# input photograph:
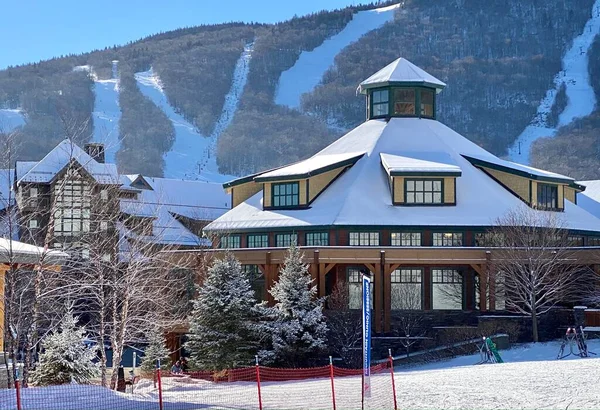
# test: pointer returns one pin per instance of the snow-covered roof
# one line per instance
(166, 198)
(311, 166)
(590, 198)
(420, 164)
(519, 169)
(400, 71)
(361, 195)
(45, 170)
(18, 252)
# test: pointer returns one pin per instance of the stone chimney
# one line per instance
(95, 150)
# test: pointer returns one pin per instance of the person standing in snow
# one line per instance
(176, 368)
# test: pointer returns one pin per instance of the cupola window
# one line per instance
(381, 106)
(404, 101)
(427, 103)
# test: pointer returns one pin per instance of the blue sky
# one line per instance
(33, 30)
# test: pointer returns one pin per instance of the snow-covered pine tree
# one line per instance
(66, 357)
(156, 350)
(221, 325)
(298, 331)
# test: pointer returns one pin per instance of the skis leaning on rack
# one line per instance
(575, 341)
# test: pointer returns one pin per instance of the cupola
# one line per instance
(401, 89)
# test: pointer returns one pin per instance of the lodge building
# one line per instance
(401, 196)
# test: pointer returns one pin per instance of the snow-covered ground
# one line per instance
(193, 154)
(10, 119)
(308, 70)
(580, 93)
(530, 378)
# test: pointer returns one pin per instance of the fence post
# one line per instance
(160, 399)
(18, 390)
(258, 383)
(391, 359)
(332, 385)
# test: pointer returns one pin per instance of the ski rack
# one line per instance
(574, 337)
(488, 352)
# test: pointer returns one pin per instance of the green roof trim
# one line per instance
(248, 178)
(497, 167)
(425, 174)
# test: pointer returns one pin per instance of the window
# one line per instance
(406, 288)
(72, 214)
(33, 223)
(427, 103)
(381, 101)
(258, 241)
(33, 192)
(489, 239)
(355, 289)
(404, 101)
(85, 253)
(106, 257)
(547, 196)
(406, 238)
(257, 281)
(447, 239)
(364, 238)
(423, 191)
(317, 239)
(286, 195)
(575, 240)
(104, 194)
(447, 289)
(231, 241)
(593, 241)
(285, 240)
(103, 225)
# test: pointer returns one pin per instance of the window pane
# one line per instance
(410, 185)
(419, 185)
(410, 197)
(428, 185)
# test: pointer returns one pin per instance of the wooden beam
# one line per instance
(329, 267)
(370, 266)
(478, 268)
(389, 268)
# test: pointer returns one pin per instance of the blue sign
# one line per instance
(366, 310)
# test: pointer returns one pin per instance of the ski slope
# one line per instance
(107, 113)
(580, 93)
(308, 70)
(193, 154)
(10, 119)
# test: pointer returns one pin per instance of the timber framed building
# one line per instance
(402, 196)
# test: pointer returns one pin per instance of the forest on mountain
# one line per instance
(498, 58)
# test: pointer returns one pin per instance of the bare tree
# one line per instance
(406, 302)
(535, 263)
(345, 326)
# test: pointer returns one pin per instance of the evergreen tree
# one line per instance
(66, 358)
(298, 330)
(156, 350)
(221, 324)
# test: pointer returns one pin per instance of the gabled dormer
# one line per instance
(421, 179)
(401, 89)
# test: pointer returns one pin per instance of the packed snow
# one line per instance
(308, 70)
(531, 377)
(107, 111)
(193, 154)
(580, 93)
(10, 119)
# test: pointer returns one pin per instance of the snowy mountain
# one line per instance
(239, 98)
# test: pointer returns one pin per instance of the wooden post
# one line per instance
(427, 288)
(321, 280)
(469, 289)
(377, 293)
(492, 281)
(269, 278)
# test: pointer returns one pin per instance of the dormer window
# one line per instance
(424, 191)
(381, 100)
(286, 195)
(547, 196)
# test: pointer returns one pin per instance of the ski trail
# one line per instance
(107, 112)
(193, 154)
(308, 70)
(580, 93)
(11, 119)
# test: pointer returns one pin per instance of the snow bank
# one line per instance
(193, 154)
(580, 93)
(308, 70)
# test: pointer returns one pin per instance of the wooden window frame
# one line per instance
(550, 194)
(251, 237)
(370, 233)
(284, 240)
(423, 191)
(295, 185)
(453, 237)
(401, 239)
(309, 238)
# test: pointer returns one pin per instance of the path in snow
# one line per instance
(10, 119)
(580, 93)
(193, 154)
(308, 70)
